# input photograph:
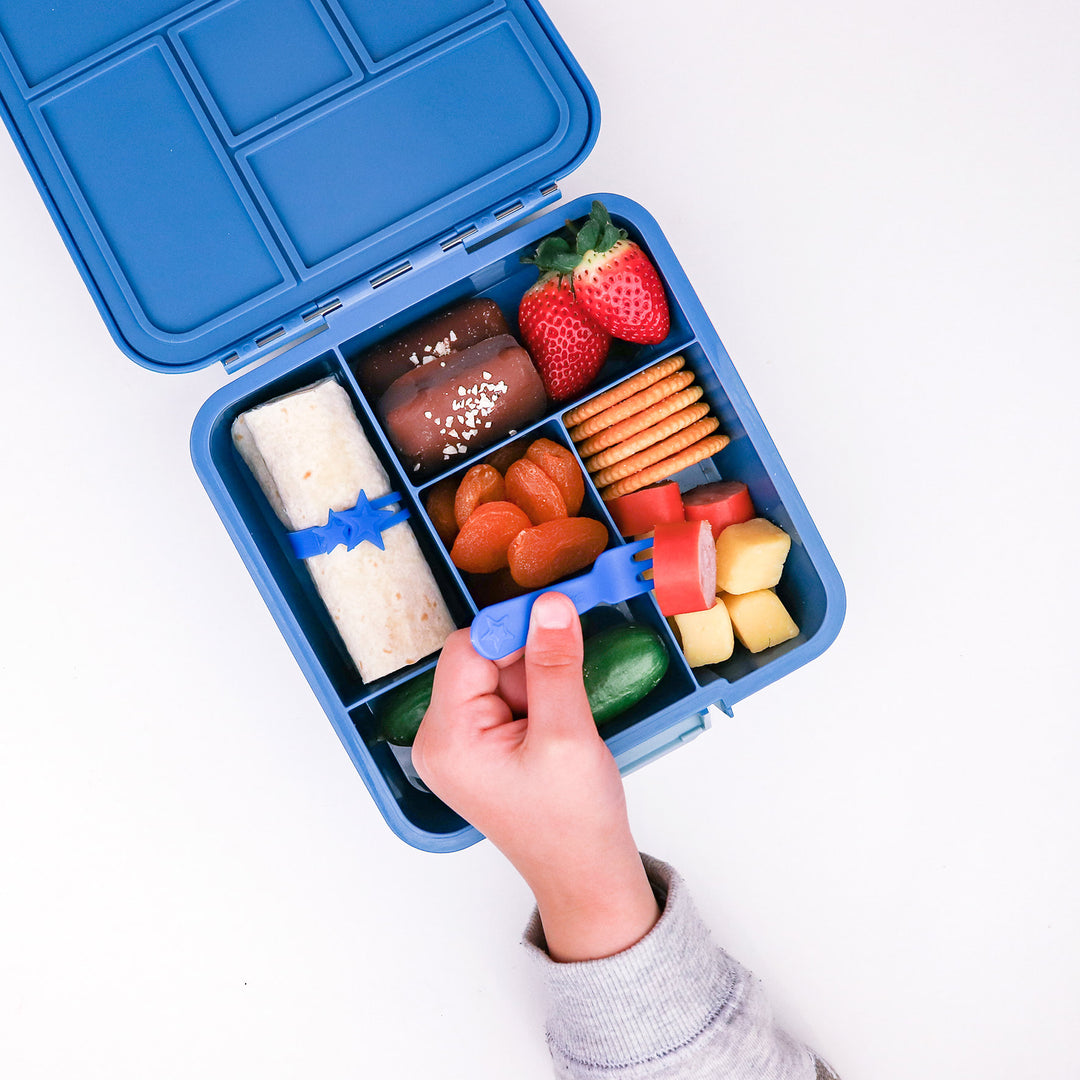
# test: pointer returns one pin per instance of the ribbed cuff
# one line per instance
(648, 1000)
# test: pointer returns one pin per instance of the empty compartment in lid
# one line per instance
(146, 179)
(337, 180)
(387, 32)
(260, 59)
(46, 40)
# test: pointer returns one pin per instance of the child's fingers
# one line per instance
(464, 704)
(510, 659)
(463, 679)
(512, 686)
(553, 657)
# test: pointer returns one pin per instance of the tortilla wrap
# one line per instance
(310, 456)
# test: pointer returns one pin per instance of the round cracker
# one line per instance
(643, 399)
(623, 390)
(673, 445)
(615, 434)
(667, 427)
(708, 446)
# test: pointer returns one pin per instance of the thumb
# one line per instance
(553, 679)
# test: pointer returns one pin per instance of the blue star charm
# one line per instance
(365, 522)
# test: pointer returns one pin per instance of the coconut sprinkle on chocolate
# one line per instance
(470, 409)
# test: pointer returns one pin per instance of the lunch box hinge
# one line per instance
(468, 236)
(507, 215)
(276, 339)
(364, 287)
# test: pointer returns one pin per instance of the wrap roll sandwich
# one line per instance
(310, 456)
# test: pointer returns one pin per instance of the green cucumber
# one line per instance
(622, 665)
(400, 711)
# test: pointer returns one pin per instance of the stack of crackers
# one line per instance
(644, 430)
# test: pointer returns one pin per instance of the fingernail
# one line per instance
(551, 614)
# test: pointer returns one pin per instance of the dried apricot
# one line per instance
(534, 491)
(481, 546)
(561, 465)
(547, 552)
(505, 456)
(488, 589)
(439, 504)
(481, 484)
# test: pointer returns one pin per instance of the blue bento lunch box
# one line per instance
(280, 184)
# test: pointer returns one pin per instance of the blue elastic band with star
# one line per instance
(366, 521)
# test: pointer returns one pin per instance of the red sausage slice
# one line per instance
(684, 567)
(643, 510)
(724, 503)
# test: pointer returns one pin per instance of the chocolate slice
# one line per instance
(434, 338)
(437, 414)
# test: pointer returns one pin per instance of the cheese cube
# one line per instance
(750, 556)
(706, 636)
(759, 618)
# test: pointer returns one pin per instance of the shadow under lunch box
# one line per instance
(288, 182)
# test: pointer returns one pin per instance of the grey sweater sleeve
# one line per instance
(673, 1005)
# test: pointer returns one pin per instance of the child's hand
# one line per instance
(543, 787)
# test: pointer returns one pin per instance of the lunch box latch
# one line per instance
(670, 738)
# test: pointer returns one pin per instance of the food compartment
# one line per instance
(419, 816)
(500, 283)
(672, 694)
(655, 423)
(259, 60)
(750, 458)
(539, 476)
(302, 613)
(745, 458)
(633, 698)
(624, 358)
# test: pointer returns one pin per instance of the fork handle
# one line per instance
(502, 628)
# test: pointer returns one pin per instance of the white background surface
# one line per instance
(877, 204)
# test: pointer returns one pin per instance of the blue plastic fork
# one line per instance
(616, 575)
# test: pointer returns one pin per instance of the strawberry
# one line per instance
(567, 347)
(620, 289)
(612, 278)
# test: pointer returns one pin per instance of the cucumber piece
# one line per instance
(622, 665)
(400, 711)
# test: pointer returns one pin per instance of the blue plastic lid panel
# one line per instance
(215, 167)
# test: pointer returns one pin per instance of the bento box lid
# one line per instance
(221, 171)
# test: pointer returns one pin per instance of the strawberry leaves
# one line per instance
(554, 253)
(595, 284)
(598, 233)
(610, 277)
